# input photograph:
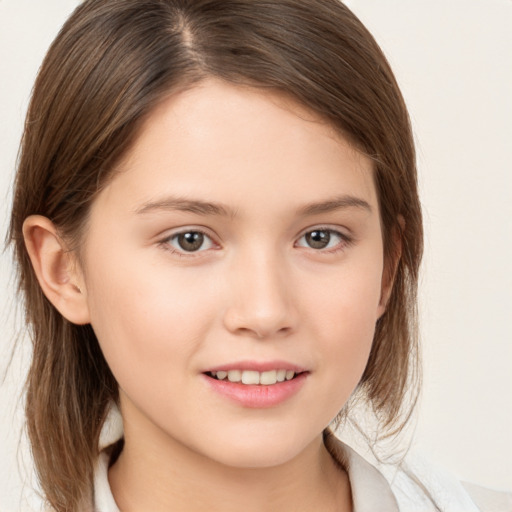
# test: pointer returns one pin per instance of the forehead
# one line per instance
(231, 142)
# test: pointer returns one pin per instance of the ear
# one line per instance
(391, 265)
(56, 269)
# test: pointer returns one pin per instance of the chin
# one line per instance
(257, 452)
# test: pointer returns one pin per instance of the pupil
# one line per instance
(191, 241)
(318, 239)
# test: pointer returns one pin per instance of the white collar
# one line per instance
(372, 490)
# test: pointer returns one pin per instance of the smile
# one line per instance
(251, 388)
(252, 377)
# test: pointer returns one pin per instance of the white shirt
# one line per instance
(373, 490)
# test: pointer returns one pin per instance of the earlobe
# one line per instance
(56, 269)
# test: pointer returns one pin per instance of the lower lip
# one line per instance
(257, 396)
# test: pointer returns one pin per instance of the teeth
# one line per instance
(281, 375)
(251, 377)
(234, 375)
(268, 378)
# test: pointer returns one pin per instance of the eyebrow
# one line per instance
(336, 203)
(187, 205)
(216, 209)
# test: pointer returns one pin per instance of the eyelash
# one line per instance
(165, 243)
(345, 241)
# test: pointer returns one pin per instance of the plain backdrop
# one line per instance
(453, 60)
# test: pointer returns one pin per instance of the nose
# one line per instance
(261, 301)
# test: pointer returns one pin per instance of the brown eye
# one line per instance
(318, 239)
(191, 241)
(323, 238)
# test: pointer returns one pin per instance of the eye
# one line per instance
(189, 241)
(322, 238)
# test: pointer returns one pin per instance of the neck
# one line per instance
(156, 474)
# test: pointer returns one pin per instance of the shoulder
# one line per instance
(417, 479)
(489, 500)
(415, 485)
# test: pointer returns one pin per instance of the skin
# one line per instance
(255, 290)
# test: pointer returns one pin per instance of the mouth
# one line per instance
(254, 389)
(253, 377)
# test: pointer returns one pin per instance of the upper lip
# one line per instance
(258, 366)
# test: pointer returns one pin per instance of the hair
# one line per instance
(111, 64)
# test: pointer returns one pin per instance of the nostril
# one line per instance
(262, 308)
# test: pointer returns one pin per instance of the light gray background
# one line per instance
(453, 59)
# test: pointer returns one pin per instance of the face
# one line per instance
(239, 240)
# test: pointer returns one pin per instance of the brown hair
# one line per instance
(110, 65)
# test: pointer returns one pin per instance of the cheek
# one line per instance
(145, 316)
(346, 310)
(348, 299)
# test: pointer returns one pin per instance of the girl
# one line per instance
(218, 235)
